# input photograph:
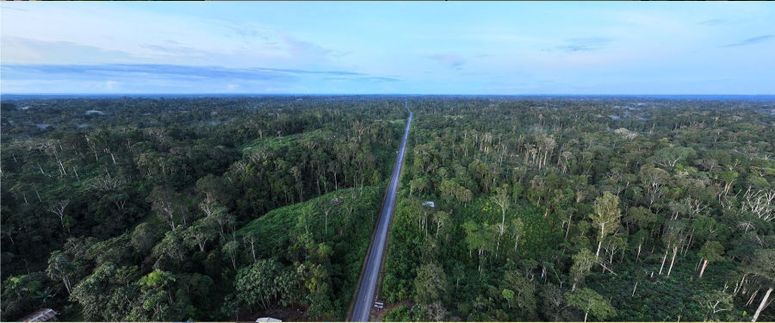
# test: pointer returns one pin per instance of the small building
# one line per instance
(429, 204)
(268, 319)
(41, 315)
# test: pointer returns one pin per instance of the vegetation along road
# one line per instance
(367, 285)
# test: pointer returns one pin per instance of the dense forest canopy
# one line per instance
(231, 208)
(141, 209)
(587, 209)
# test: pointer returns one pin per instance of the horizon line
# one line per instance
(365, 94)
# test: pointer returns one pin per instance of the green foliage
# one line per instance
(590, 302)
(265, 284)
(23, 294)
(430, 285)
(522, 294)
(329, 261)
(152, 210)
(116, 295)
(655, 188)
(582, 264)
(712, 251)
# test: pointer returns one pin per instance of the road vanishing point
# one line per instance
(367, 285)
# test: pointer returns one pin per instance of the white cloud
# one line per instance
(107, 34)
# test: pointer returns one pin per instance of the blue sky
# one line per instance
(392, 47)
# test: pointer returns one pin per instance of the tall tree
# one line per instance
(503, 200)
(761, 267)
(711, 251)
(61, 267)
(582, 263)
(431, 284)
(589, 301)
(606, 216)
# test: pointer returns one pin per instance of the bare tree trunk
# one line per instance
(704, 265)
(753, 296)
(637, 256)
(634, 289)
(253, 249)
(663, 261)
(600, 243)
(672, 260)
(66, 281)
(762, 305)
(739, 285)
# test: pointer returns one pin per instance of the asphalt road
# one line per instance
(367, 286)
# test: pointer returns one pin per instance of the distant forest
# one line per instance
(510, 208)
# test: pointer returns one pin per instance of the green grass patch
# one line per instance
(350, 221)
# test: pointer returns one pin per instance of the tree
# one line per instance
(616, 243)
(60, 267)
(508, 295)
(520, 293)
(418, 184)
(582, 263)
(764, 272)
(58, 208)
(589, 301)
(503, 200)
(171, 247)
(728, 178)
(605, 216)
(231, 250)
(760, 203)
(435, 312)
(317, 282)
(164, 202)
(518, 226)
(18, 294)
(451, 190)
(441, 219)
(673, 237)
(477, 238)
(144, 237)
(670, 156)
(552, 304)
(160, 299)
(654, 180)
(715, 304)
(107, 294)
(258, 285)
(214, 188)
(430, 285)
(200, 233)
(711, 251)
(217, 213)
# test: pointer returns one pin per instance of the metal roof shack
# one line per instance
(41, 315)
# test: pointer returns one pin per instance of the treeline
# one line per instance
(585, 209)
(131, 208)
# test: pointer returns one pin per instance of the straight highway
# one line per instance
(367, 285)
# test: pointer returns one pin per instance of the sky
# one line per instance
(509, 48)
